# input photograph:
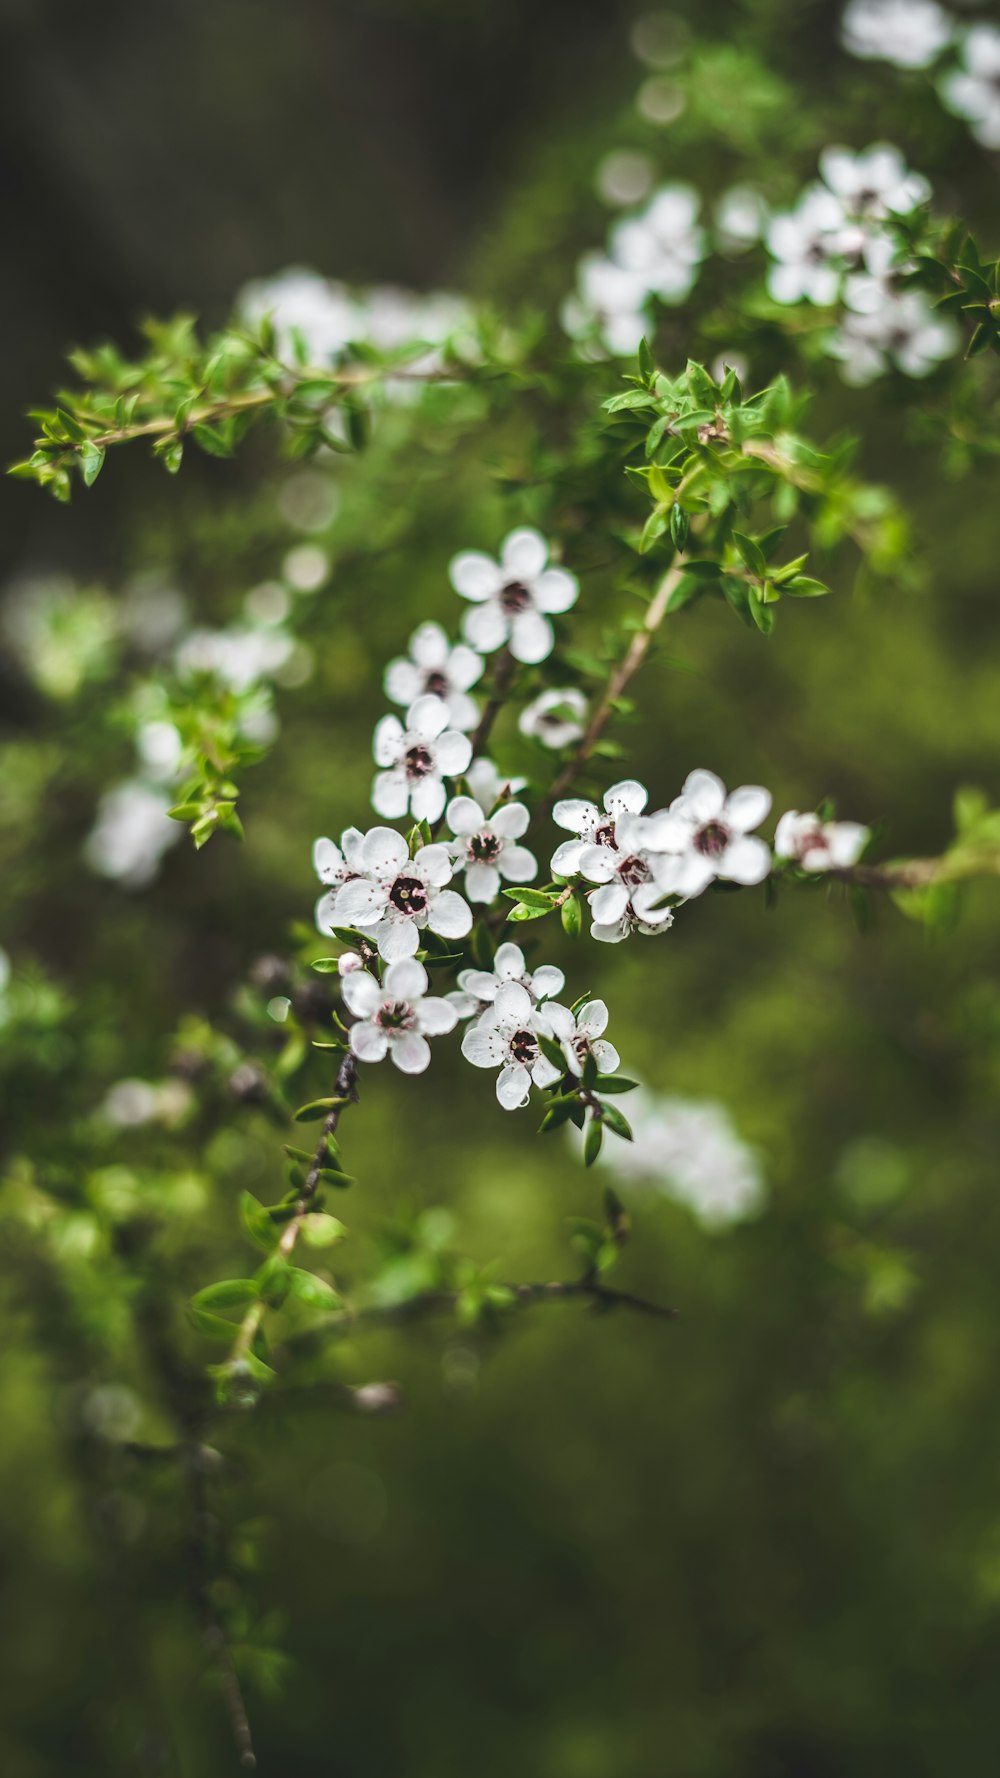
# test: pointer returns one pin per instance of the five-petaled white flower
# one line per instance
(555, 718)
(485, 846)
(608, 300)
(664, 244)
(817, 845)
(593, 826)
(396, 1016)
(581, 1035)
(873, 183)
(973, 90)
(478, 988)
(398, 895)
(436, 665)
(807, 245)
(514, 597)
(903, 330)
(417, 757)
(336, 865)
(506, 1037)
(623, 867)
(908, 33)
(705, 834)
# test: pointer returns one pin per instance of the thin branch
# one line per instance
(346, 1093)
(920, 873)
(503, 674)
(213, 1634)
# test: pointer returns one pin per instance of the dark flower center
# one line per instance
(418, 761)
(515, 597)
(524, 1048)
(395, 1015)
(712, 839)
(437, 683)
(634, 871)
(409, 895)
(604, 835)
(485, 847)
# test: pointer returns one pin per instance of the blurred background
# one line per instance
(762, 1541)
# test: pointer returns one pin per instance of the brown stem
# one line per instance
(213, 1634)
(346, 1092)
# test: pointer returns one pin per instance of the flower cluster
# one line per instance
(655, 253)
(315, 319)
(512, 1015)
(972, 90)
(378, 889)
(689, 1150)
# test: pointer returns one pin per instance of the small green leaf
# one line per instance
(313, 1291)
(592, 1141)
(531, 898)
(229, 1293)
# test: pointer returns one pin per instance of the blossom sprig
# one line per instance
(416, 756)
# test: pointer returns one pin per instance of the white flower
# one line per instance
(818, 845)
(555, 718)
(398, 895)
(581, 1035)
(440, 667)
(609, 301)
(908, 33)
(873, 183)
(349, 962)
(418, 758)
(485, 848)
(319, 310)
(740, 215)
(593, 826)
(336, 865)
(131, 833)
(663, 244)
(973, 90)
(506, 1037)
(239, 657)
(689, 1149)
(395, 1016)
(478, 988)
(623, 866)
(514, 597)
(808, 244)
(659, 921)
(705, 834)
(904, 331)
(488, 784)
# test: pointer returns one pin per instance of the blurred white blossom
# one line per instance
(908, 33)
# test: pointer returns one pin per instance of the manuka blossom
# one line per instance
(903, 330)
(873, 183)
(478, 988)
(608, 300)
(486, 848)
(514, 598)
(622, 866)
(581, 1035)
(336, 865)
(817, 845)
(706, 834)
(555, 718)
(506, 1038)
(397, 896)
(972, 90)
(664, 244)
(396, 1016)
(417, 758)
(591, 825)
(435, 665)
(908, 33)
(690, 1151)
(131, 833)
(807, 245)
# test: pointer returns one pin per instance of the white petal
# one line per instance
(390, 794)
(599, 864)
(328, 861)
(523, 554)
(592, 1019)
(509, 961)
(427, 800)
(510, 821)
(847, 840)
(513, 1087)
(397, 938)
(608, 904)
(359, 903)
(557, 1020)
(517, 864)
(369, 1042)
(479, 983)
(565, 860)
(747, 807)
(608, 935)
(450, 916)
(482, 883)
(474, 576)
(383, 851)
(546, 981)
(704, 795)
(465, 1005)
(403, 682)
(628, 797)
(436, 1016)
(513, 1005)
(465, 667)
(531, 637)
(433, 865)
(486, 627)
(786, 834)
(606, 1056)
(429, 645)
(387, 742)
(746, 860)
(351, 842)
(323, 913)
(453, 753)
(575, 815)
(410, 1052)
(361, 993)
(406, 980)
(544, 1074)
(483, 1046)
(556, 590)
(427, 717)
(465, 816)
(463, 711)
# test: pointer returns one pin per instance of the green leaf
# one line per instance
(552, 1053)
(801, 587)
(616, 1122)
(751, 554)
(592, 1141)
(91, 462)
(531, 898)
(317, 1108)
(526, 913)
(313, 1291)
(229, 1293)
(571, 915)
(615, 1083)
(257, 1222)
(646, 366)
